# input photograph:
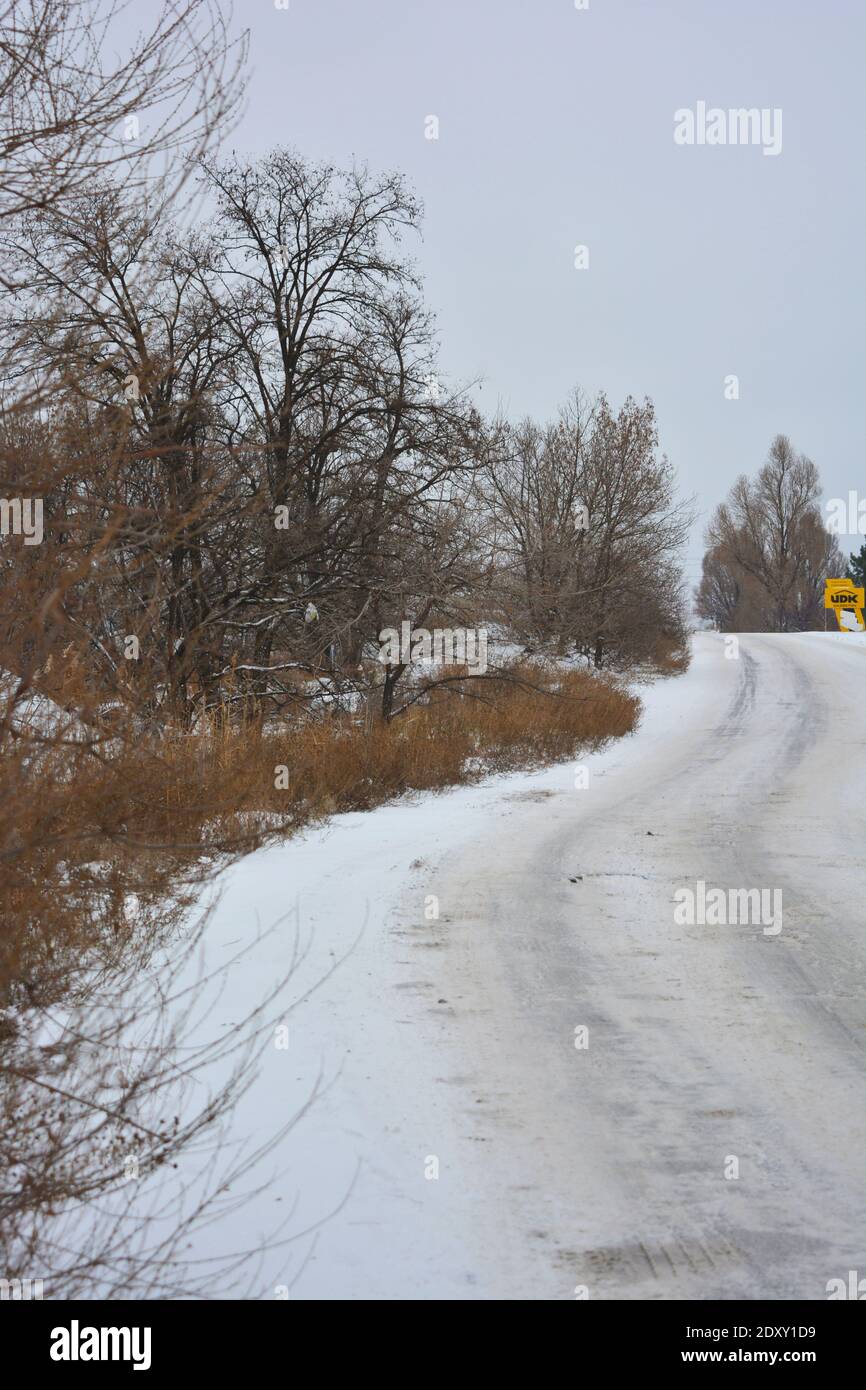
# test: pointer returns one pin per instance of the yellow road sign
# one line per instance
(844, 597)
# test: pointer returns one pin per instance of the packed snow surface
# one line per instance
(708, 1139)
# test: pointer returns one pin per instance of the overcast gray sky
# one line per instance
(556, 129)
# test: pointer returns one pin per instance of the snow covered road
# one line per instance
(709, 1140)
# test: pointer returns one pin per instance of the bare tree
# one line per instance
(71, 114)
(362, 450)
(585, 515)
(769, 551)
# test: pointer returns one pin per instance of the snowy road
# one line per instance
(710, 1141)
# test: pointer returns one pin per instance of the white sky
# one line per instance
(556, 128)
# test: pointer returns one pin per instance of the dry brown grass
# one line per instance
(460, 732)
(670, 657)
(113, 837)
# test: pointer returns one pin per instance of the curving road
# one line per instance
(710, 1140)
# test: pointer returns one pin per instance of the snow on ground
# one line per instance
(446, 1046)
(372, 1036)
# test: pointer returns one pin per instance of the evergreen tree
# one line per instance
(857, 567)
